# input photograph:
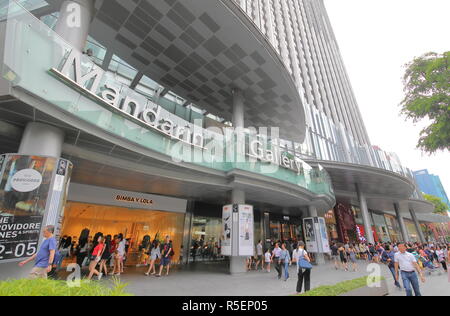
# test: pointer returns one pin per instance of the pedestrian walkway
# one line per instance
(212, 279)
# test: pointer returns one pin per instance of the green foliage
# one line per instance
(439, 206)
(427, 88)
(42, 287)
(342, 287)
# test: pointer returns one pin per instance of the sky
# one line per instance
(376, 39)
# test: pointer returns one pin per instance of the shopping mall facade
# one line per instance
(155, 118)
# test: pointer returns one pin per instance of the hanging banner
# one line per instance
(246, 244)
(310, 235)
(227, 226)
(324, 236)
(28, 201)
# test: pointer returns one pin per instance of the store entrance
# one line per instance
(135, 225)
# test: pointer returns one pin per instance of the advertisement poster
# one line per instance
(310, 235)
(324, 235)
(24, 189)
(246, 245)
(227, 224)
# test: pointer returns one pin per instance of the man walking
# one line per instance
(45, 257)
(259, 255)
(406, 264)
(276, 255)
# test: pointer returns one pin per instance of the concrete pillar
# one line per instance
(40, 139)
(365, 215)
(401, 223)
(237, 263)
(238, 108)
(74, 20)
(312, 210)
(417, 224)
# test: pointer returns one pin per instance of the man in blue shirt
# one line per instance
(45, 257)
(388, 257)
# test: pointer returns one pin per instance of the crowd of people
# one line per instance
(106, 255)
(407, 261)
(281, 255)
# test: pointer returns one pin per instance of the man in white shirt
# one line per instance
(406, 264)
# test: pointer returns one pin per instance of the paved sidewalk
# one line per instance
(212, 280)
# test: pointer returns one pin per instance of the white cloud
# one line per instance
(376, 39)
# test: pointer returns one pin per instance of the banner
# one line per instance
(310, 235)
(227, 230)
(324, 236)
(29, 194)
(246, 244)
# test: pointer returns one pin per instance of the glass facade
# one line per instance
(412, 231)
(381, 227)
(206, 234)
(332, 229)
(393, 228)
(135, 225)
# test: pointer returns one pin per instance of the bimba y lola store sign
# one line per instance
(92, 83)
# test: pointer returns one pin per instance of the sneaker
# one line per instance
(147, 274)
(100, 276)
(158, 275)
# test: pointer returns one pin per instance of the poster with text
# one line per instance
(24, 189)
(310, 235)
(324, 236)
(227, 224)
(246, 245)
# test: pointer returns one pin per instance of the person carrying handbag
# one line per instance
(304, 268)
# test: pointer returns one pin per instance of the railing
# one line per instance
(34, 55)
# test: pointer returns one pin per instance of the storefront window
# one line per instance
(205, 239)
(331, 223)
(136, 226)
(393, 228)
(412, 231)
(358, 216)
(275, 230)
(381, 227)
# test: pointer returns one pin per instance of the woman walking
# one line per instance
(343, 256)
(105, 256)
(96, 257)
(353, 260)
(285, 259)
(155, 253)
(64, 250)
(304, 269)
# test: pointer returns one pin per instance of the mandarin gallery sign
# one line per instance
(92, 83)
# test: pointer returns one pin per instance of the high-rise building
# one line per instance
(214, 122)
(431, 184)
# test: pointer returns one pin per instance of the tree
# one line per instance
(439, 206)
(427, 88)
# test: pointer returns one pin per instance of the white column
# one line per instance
(401, 223)
(417, 224)
(238, 108)
(237, 263)
(365, 215)
(74, 20)
(40, 139)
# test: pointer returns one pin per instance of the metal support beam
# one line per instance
(107, 59)
(136, 80)
(365, 215)
(401, 223)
